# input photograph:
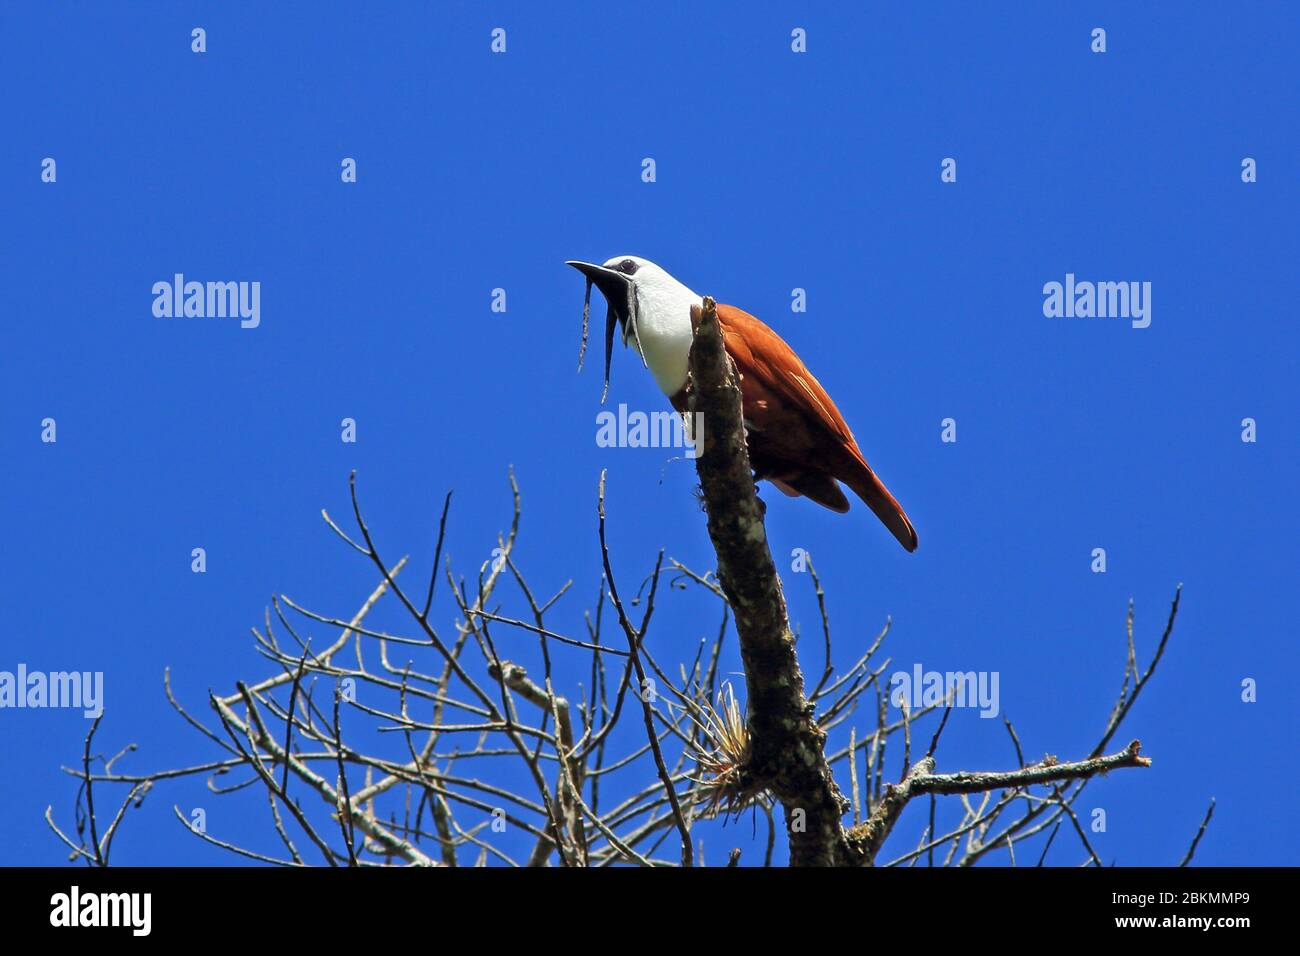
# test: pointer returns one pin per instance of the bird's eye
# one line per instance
(627, 267)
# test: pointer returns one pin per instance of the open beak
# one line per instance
(619, 291)
(614, 286)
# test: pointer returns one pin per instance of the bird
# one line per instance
(796, 436)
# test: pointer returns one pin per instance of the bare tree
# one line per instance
(453, 724)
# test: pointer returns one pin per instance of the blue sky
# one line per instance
(774, 171)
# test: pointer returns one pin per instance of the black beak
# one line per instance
(619, 291)
(614, 286)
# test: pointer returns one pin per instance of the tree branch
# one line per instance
(921, 779)
(788, 746)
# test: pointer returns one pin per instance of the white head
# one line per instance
(654, 310)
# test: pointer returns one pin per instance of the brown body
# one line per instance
(797, 438)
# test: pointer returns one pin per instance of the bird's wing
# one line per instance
(764, 354)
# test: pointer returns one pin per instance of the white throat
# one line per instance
(664, 327)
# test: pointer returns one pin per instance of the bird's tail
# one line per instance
(872, 490)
